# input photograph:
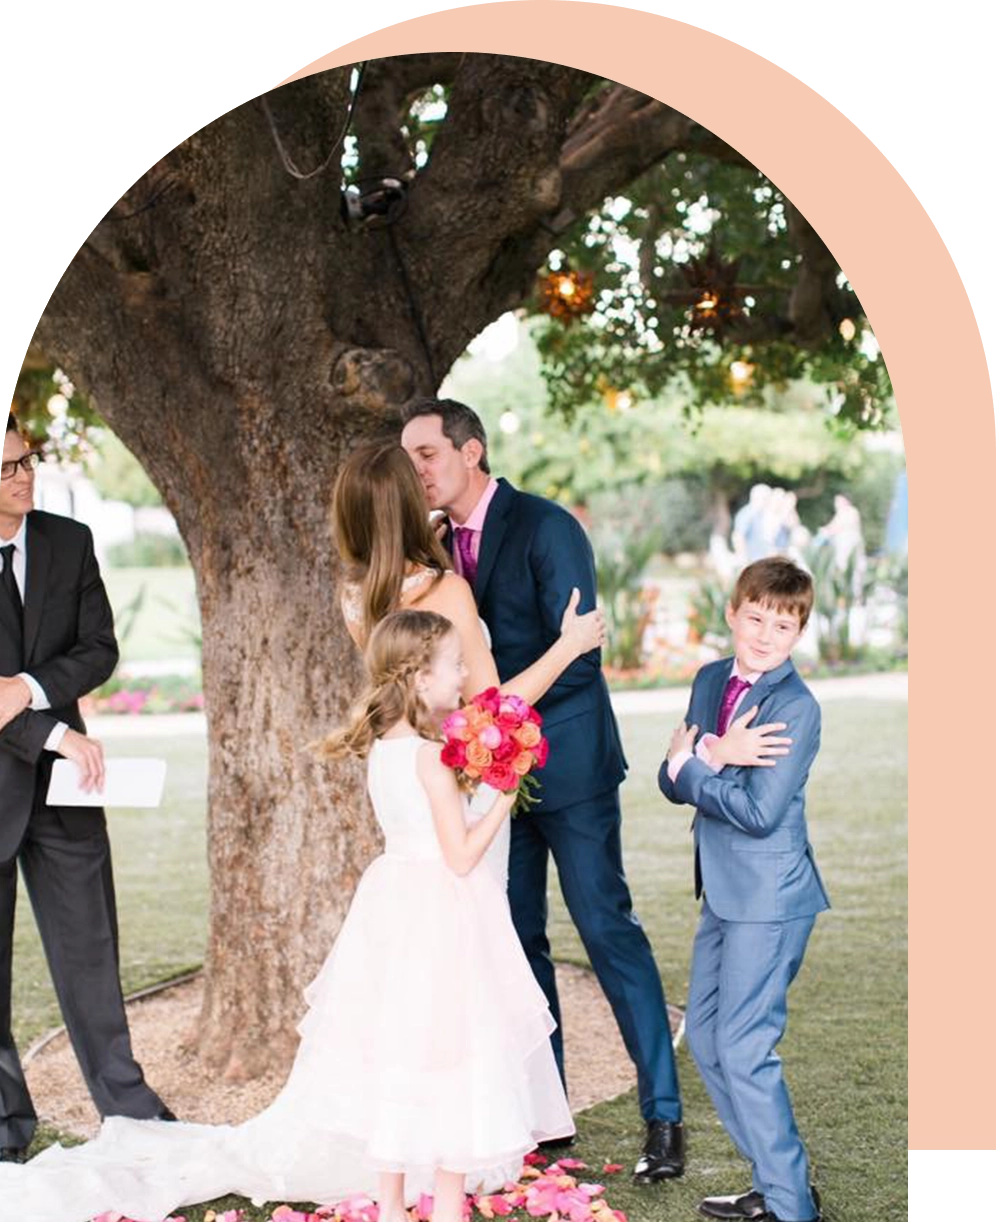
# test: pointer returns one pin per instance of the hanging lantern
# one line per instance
(567, 294)
(713, 297)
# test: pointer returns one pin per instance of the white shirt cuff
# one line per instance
(54, 740)
(703, 749)
(39, 701)
(676, 763)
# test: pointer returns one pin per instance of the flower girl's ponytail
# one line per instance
(401, 646)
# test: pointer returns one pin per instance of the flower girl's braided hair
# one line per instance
(401, 646)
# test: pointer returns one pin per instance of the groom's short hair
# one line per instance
(11, 424)
(460, 423)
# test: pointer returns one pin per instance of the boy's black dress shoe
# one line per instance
(12, 1154)
(748, 1205)
(663, 1156)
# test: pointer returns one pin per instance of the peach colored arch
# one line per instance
(918, 307)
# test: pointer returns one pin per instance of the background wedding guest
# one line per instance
(749, 542)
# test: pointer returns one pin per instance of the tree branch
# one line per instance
(381, 109)
(617, 136)
(816, 304)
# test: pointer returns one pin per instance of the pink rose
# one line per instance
(489, 700)
(501, 776)
(490, 737)
(454, 754)
(508, 750)
(454, 724)
(541, 751)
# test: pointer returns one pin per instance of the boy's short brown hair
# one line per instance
(776, 582)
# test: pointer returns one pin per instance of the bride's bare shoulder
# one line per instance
(448, 596)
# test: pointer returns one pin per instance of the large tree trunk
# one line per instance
(229, 351)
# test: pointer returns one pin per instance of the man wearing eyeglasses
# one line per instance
(56, 644)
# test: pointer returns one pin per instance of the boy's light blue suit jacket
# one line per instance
(752, 852)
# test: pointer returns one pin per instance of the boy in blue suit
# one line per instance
(522, 556)
(754, 867)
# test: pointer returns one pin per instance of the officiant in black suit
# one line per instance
(56, 644)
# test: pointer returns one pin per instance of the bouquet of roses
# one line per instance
(496, 739)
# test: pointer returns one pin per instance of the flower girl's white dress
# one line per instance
(426, 1043)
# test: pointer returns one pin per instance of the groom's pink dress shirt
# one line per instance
(475, 523)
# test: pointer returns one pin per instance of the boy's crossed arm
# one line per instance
(756, 802)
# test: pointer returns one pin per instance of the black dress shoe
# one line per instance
(663, 1156)
(13, 1154)
(770, 1217)
(748, 1205)
(552, 1144)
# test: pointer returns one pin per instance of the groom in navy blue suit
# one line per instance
(523, 555)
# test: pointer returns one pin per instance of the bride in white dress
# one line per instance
(394, 559)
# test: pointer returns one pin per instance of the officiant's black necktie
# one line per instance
(10, 593)
(9, 582)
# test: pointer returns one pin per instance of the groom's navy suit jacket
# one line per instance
(533, 552)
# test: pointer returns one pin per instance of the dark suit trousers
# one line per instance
(71, 888)
(585, 842)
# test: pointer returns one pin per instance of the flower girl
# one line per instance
(447, 1059)
(424, 1062)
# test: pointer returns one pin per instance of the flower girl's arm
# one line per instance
(463, 846)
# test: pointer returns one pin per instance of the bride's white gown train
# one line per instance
(426, 1043)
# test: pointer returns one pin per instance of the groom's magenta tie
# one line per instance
(468, 561)
(734, 686)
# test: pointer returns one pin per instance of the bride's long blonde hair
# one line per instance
(380, 523)
(401, 646)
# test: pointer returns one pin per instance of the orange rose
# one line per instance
(527, 735)
(522, 763)
(477, 756)
(477, 719)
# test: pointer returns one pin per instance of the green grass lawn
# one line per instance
(845, 1050)
(160, 871)
(165, 624)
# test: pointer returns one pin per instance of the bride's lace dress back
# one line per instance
(352, 593)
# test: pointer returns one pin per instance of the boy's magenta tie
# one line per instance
(463, 538)
(734, 686)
